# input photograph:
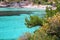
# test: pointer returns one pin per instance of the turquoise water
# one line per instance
(12, 27)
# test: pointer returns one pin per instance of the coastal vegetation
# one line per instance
(49, 25)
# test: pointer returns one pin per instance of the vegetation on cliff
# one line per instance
(49, 25)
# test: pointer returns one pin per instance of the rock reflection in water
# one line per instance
(11, 13)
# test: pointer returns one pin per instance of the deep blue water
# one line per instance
(12, 27)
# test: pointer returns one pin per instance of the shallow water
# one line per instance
(12, 27)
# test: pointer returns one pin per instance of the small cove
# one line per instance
(12, 27)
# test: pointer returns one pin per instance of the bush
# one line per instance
(54, 23)
(50, 12)
(50, 30)
(34, 21)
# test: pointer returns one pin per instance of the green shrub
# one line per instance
(34, 21)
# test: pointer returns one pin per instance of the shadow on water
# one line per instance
(12, 13)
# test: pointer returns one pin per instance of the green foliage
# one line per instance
(44, 37)
(50, 12)
(34, 21)
(41, 34)
(45, 0)
(58, 8)
(50, 25)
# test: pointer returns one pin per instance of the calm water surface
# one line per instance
(12, 27)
